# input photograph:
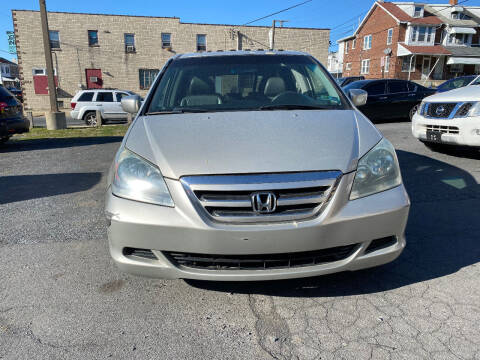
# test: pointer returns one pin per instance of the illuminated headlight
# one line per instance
(137, 179)
(377, 171)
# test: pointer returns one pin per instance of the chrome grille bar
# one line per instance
(228, 198)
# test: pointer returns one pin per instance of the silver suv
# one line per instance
(86, 102)
(252, 166)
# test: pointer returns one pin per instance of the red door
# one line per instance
(94, 78)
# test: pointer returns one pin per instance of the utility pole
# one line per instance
(54, 118)
(272, 39)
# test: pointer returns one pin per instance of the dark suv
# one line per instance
(11, 116)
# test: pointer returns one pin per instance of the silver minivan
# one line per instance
(252, 165)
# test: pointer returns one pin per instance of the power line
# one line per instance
(278, 12)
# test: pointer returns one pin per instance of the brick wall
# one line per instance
(121, 70)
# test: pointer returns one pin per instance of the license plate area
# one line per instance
(434, 136)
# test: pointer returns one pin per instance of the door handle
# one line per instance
(382, 98)
(98, 105)
(412, 94)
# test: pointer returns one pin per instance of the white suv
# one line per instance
(451, 117)
(85, 103)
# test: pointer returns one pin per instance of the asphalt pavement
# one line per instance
(61, 296)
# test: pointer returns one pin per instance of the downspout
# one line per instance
(410, 66)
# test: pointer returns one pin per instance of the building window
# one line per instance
(166, 40)
(92, 38)
(346, 47)
(406, 63)
(354, 43)
(459, 39)
(365, 69)
(42, 71)
(456, 68)
(418, 11)
(54, 39)
(389, 36)
(146, 77)
(386, 66)
(348, 66)
(367, 42)
(129, 43)
(422, 34)
(201, 42)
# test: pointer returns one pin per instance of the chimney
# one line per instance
(453, 2)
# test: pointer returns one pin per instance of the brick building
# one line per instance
(416, 41)
(126, 52)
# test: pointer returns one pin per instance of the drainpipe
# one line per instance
(410, 67)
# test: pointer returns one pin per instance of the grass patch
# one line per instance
(42, 133)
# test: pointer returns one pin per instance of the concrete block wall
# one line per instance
(121, 70)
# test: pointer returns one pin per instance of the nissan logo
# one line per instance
(440, 110)
(264, 202)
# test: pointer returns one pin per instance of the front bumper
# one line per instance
(181, 229)
(457, 131)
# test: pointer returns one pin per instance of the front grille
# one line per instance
(231, 198)
(443, 129)
(440, 110)
(260, 262)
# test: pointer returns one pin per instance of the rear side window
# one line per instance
(86, 96)
(397, 87)
(377, 88)
(105, 97)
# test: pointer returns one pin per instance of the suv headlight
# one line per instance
(377, 171)
(469, 109)
(137, 179)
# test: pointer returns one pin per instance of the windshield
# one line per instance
(244, 82)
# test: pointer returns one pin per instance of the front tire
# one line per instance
(90, 118)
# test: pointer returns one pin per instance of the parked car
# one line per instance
(12, 120)
(390, 98)
(244, 166)
(17, 92)
(449, 118)
(344, 81)
(85, 103)
(456, 83)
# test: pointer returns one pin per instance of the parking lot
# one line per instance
(62, 298)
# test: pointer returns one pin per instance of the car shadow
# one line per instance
(442, 238)
(27, 187)
(56, 143)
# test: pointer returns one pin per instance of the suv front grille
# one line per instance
(443, 129)
(260, 262)
(232, 198)
(440, 110)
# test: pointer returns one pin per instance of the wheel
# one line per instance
(413, 111)
(90, 118)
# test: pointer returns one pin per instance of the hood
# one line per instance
(252, 141)
(466, 93)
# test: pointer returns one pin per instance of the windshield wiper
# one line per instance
(178, 111)
(293, 107)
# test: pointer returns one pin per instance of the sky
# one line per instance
(341, 16)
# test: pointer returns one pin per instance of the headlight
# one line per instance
(137, 179)
(377, 171)
(469, 109)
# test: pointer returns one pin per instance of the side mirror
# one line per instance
(358, 96)
(131, 104)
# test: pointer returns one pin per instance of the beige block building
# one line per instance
(125, 52)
